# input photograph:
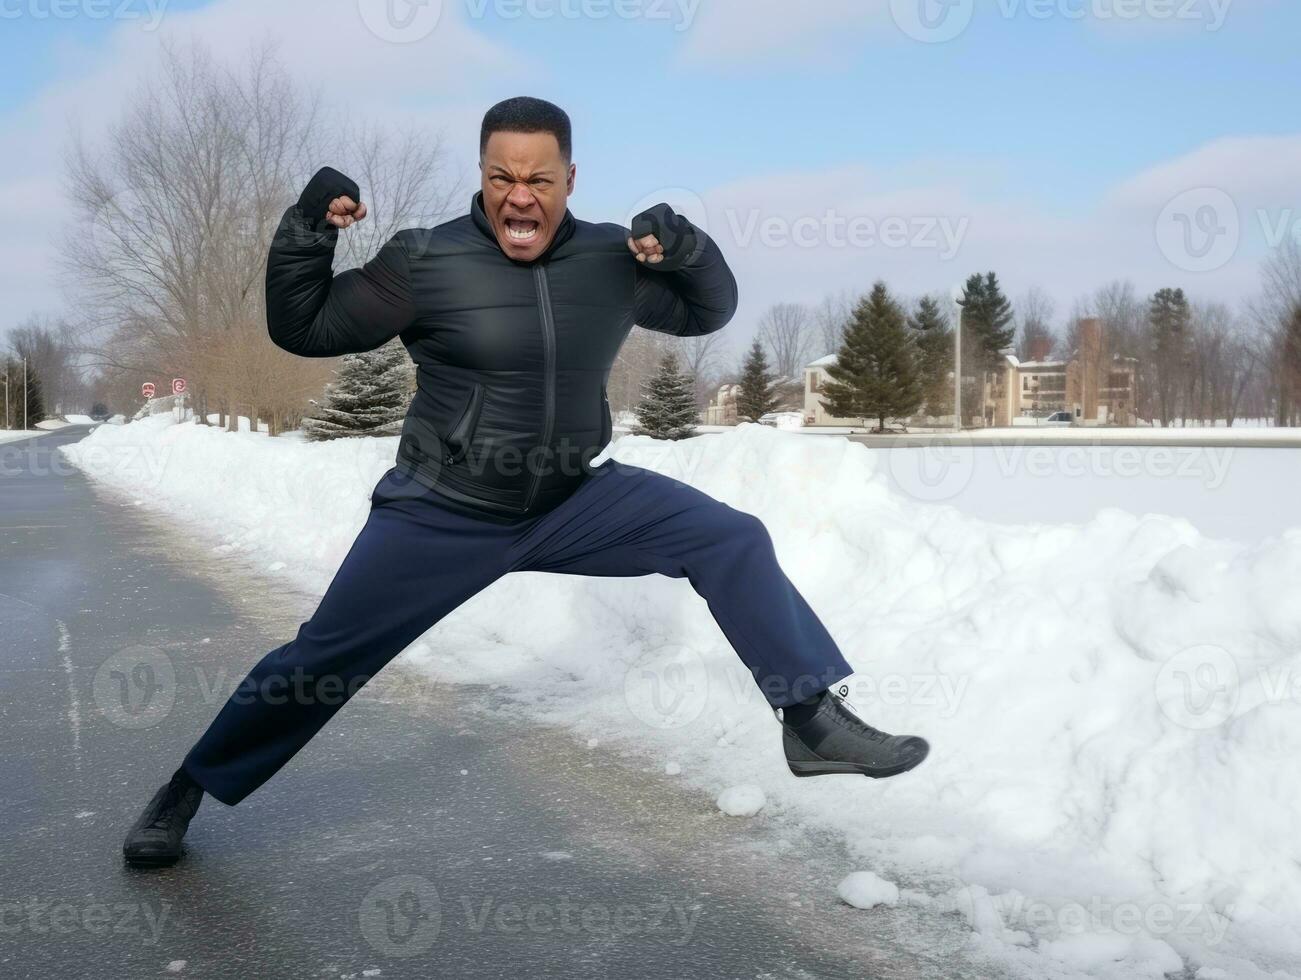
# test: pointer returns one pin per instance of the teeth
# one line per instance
(521, 234)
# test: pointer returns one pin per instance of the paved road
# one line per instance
(417, 836)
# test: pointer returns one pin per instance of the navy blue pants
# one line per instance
(418, 557)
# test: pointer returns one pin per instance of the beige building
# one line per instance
(721, 409)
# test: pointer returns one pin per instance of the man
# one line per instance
(513, 314)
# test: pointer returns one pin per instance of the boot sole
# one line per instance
(805, 769)
(151, 861)
(813, 765)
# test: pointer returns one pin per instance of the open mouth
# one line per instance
(522, 230)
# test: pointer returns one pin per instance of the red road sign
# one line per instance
(178, 386)
(147, 389)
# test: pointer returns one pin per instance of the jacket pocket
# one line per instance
(607, 428)
(461, 435)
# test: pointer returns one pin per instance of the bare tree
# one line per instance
(49, 347)
(1275, 314)
(638, 360)
(175, 212)
(830, 317)
(700, 360)
(785, 329)
(1034, 331)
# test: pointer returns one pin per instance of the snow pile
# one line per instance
(864, 890)
(741, 801)
(1114, 708)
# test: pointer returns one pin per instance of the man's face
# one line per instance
(526, 187)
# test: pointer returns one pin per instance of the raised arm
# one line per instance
(311, 311)
(684, 286)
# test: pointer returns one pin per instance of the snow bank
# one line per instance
(1113, 707)
(13, 435)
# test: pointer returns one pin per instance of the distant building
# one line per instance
(1095, 387)
(815, 378)
(722, 407)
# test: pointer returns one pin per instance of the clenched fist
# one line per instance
(662, 238)
(332, 198)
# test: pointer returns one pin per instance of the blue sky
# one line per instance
(1053, 140)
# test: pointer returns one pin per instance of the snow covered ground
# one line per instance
(13, 435)
(1247, 494)
(1114, 707)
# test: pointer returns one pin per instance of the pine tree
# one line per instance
(667, 409)
(987, 326)
(755, 396)
(35, 398)
(368, 396)
(930, 325)
(876, 371)
(1168, 316)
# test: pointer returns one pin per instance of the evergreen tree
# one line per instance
(667, 409)
(987, 326)
(930, 325)
(35, 398)
(1168, 317)
(14, 393)
(876, 371)
(368, 396)
(755, 397)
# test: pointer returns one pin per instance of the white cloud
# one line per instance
(788, 236)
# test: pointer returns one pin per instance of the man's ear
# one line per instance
(569, 179)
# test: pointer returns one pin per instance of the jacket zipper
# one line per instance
(549, 359)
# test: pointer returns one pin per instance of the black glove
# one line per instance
(324, 187)
(675, 234)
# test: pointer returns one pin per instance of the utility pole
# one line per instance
(957, 375)
(24, 394)
(958, 294)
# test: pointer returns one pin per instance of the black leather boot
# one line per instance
(832, 738)
(155, 838)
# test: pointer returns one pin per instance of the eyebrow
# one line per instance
(495, 169)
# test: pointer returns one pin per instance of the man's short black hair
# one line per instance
(524, 114)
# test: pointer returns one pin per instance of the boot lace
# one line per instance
(850, 719)
(166, 810)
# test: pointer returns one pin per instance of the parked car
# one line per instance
(1059, 420)
(782, 420)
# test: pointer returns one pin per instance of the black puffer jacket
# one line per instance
(512, 358)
